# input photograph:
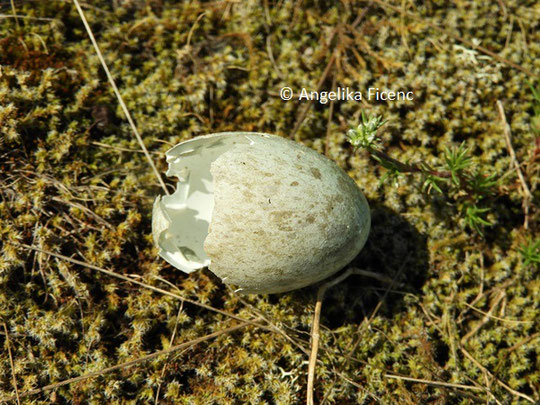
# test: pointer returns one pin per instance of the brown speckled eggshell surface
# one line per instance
(284, 216)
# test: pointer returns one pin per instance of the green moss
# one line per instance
(72, 182)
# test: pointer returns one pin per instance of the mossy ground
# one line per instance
(73, 182)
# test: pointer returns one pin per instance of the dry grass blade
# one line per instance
(17, 397)
(436, 383)
(85, 209)
(156, 401)
(366, 323)
(156, 289)
(128, 363)
(501, 383)
(508, 138)
(377, 276)
(119, 97)
(487, 316)
(15, 14)
(495, 317)
(118, 148)
(355, 384)
(305, 109)
(315, 327)
(273, 326)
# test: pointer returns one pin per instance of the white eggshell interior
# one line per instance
(180, 221)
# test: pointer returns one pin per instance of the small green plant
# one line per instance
(365, 135)
(464, 185)
(531, 253)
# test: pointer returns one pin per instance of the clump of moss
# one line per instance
(73, 183)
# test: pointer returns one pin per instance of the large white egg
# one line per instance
(264, 213)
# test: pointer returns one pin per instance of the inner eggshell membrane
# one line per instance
(182, 219)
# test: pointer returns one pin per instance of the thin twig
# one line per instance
(486, 317)
(271, 56)
(104, 145)
(495, 317)
(526, 191)
(315, 327)
(17, 16)
(503, 8)
(438, 383)
(8, 344)
(355, 384)
(272, 325)
(84, 209)
(307, 106)
(156, 289)
(193, 28)
(119, 97)
(14, 10)
(522, 342)
(367, 322)
(166, 361)
(502, 384)
(377, 276)
(129, 363)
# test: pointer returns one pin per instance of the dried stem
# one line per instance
(315, 326)
(128, 363)
(436, 383)
(156, 401)
(8, 344)
(527, 198)
(307, 106)
(271, 324)
(502, 384)
(315, 335)
(14, 10)
(487, 317)
(156, 289)
(119, 97)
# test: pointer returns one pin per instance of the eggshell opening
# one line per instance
(263, 213)
(180, 221)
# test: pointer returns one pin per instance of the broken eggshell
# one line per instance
(264, 213)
